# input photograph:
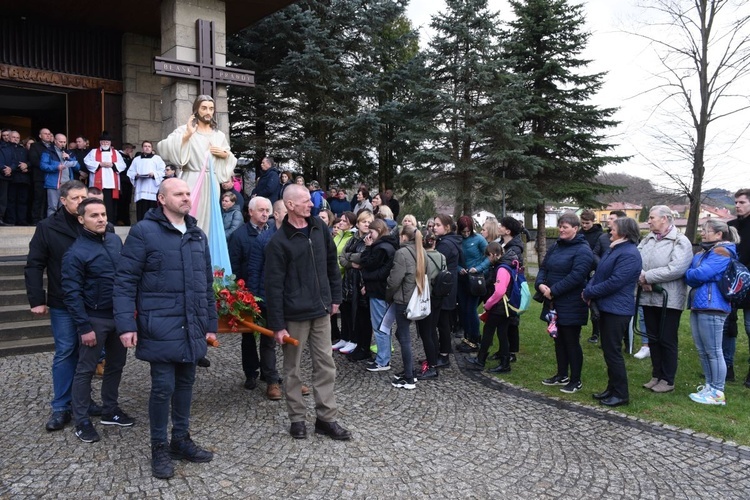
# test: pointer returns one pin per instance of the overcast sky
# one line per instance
(630, 64)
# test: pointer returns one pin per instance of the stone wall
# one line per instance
(142, 114)
(180, 41)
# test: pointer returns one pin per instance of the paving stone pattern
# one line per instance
(462, 436)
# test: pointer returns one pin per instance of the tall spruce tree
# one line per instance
(330, 93)
(567, 142)
(473, 101)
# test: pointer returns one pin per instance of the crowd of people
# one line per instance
(345, 275)
(33, 170)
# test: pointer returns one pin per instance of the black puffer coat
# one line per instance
(167, 278)
(450, 246)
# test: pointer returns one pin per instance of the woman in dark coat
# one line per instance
(612, 289)
(355, 307)
(448, 244)
(561, 280)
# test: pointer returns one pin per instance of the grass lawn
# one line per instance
(536, 361)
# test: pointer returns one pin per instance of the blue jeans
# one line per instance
(170, 383)
(403, 334)
(708, 330)
(66, 358)
(378, 307)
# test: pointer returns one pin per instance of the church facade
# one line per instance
(79, 67)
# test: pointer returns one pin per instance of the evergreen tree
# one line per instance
(474, 101)
(329, 92)
(544, 44)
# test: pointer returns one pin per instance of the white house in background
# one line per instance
(481, 217)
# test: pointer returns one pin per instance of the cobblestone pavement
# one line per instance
(462, 436)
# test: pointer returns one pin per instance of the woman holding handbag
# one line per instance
(408, 272)
(473, 269)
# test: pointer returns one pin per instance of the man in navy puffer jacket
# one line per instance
(88, 274)
(165, 275)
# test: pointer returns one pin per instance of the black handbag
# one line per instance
(538, 296)
(477, 284)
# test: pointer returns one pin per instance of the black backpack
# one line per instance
(443, 282)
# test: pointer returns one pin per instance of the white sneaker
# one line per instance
(348, 348)
(644, 353)
(338, 345)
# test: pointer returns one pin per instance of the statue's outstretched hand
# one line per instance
(190, 127)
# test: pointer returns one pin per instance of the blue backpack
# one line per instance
(518, 297)
(735, 282)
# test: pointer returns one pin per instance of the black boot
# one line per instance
(730, 373)
(477, 363)
(747, 380)
(503, 367)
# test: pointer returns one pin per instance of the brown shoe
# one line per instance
(273, 392)
(305, 390)
(100, 368)
(663, 386)
(651, 383)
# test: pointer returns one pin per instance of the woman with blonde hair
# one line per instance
(408, 272)
(491, 231)
(409, 220)
(709, 308)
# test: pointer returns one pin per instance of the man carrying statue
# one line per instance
(193, 146)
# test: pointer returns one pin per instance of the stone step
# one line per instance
(12, 267)
(16, 313)
(14, 298)
(19, 330)
(26, 346)
(14, 282)
(14, 240)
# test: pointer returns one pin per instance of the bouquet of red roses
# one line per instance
(234, 302)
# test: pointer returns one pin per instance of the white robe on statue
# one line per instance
(191, 156)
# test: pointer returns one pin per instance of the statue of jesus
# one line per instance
(192, 146)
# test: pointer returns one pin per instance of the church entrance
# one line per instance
(28, 108)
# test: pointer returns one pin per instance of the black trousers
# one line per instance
(499, 324)
(111, 205)
(664, 350)
(514, 338)
(39, 198)
(266, 362)
(362, 327)
(141, 207)
(427, 330)
(108, 340)
(568, 351)
(347, 321)
(444, 321)
(18, 204)
(123, 204)
(612, 327)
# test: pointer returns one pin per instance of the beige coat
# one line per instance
(665, 262)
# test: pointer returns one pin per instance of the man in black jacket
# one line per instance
(301, 263)
(268, 184)
(87, 279)
(52, 238)
(165, 274)
(742, 225)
